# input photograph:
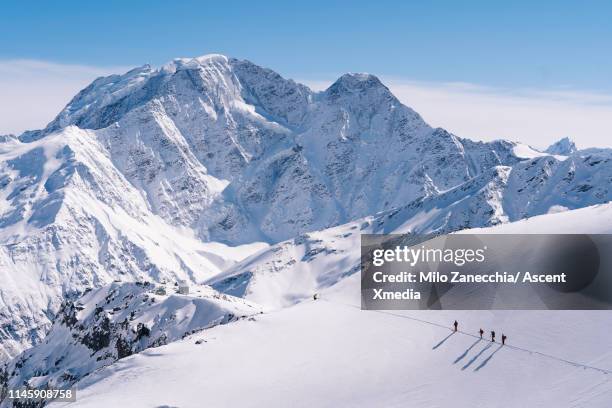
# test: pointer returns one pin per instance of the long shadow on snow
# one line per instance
(484, 363)
(465, 353)
(442, 342)
(469, 363)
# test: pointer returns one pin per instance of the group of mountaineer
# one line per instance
(456, 326)
(481, 332)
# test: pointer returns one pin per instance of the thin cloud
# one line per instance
(32, 92)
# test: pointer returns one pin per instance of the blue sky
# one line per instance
(507, 47)
(514, 43)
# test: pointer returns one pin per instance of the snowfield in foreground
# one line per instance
(219, 172)
(329, 352)
(158, 173)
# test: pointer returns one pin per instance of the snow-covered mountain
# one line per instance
(329, 352)
(116, 321)
(140, 169)
(215, 170)
(292, 271)
(222, 146)
(72, 221)
(563, 147)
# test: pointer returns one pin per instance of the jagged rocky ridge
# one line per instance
(141, 172)
(563, 147)
(182, 133)
(116, 321)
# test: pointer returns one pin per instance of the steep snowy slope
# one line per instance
(330, 353)
(142, 175)
(531, 187)
(114, 322)
(596, 219)
(70, 221)
(292, 271)
(295, 160)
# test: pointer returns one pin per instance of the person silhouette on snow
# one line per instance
(481, 333)
(456, 325)
(492, 336)
(504, 337)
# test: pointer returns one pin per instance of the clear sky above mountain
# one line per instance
(519, 43)
(554, 46)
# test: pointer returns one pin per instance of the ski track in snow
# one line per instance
(330, 353)
(507, 346)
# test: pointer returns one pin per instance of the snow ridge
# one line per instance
(114, 322)
(158, 174)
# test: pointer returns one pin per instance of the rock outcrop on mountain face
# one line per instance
(72, 221)
(114, 322)
(142, 175)
(294, 160)
(291, 271)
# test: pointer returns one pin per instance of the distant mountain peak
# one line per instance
(563, 147)
(196, 62)
(356, 82)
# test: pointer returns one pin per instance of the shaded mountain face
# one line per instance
(146, 175)
(239, 153)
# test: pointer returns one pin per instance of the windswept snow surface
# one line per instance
(115, 321)
(328, 352)
(168, 173)
(217, 171)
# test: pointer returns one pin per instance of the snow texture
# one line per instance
(216, 171)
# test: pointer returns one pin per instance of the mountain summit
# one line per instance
(160, 173)
(563, 147)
